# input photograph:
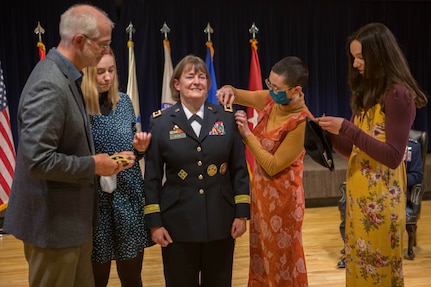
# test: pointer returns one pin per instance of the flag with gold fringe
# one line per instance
(168, 70)
(255, 83)
(209, 61)
(42, 50)
(132, 86)
(210, 65)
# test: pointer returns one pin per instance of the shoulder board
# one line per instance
(228, 108)
(157, 113)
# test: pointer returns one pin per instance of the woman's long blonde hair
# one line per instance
(91, 93)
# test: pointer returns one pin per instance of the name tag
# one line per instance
(176, 133)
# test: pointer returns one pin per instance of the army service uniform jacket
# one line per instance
(207, 182)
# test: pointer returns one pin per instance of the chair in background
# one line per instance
(414, 198)
(413, 204)
(342, 209)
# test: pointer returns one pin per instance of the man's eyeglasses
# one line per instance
(274, 89)
(102, 46)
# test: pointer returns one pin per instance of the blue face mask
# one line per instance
(280, 97)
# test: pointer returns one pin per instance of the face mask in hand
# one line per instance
(280, 97)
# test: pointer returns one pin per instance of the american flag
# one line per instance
(7, 149)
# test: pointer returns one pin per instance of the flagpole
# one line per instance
(130, 30)
(253, 30)
(132, 87)
(209, 30)
(255, 83)
(210, 65)
(42, 50)
(165, 30)
(168, 70)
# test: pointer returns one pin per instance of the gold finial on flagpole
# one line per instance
(165, 30)
(208, 30)
(39, 31)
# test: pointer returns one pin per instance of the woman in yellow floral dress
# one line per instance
(384, 101)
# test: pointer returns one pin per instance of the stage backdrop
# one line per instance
(315, 31)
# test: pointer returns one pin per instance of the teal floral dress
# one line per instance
(120, 233)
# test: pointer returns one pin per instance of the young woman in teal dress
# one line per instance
(119, 234)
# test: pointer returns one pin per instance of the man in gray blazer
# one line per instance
(52, 204)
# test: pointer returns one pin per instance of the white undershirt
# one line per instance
(195, 125)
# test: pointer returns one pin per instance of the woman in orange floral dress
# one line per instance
(277, 195)
(384, 101)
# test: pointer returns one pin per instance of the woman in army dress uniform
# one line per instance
(197, 213)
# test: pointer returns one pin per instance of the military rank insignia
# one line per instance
(157, 113)
(182, 174)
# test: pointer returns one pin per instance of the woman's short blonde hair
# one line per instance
(189, 62)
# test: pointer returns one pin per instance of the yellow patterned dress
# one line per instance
(375, 213)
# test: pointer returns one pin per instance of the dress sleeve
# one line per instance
(153, 178)
(342, 145)
(239, 174)
(288, 151)
(400, 111)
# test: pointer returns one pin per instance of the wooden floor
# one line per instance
(322, 244)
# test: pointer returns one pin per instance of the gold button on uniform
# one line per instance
(212, 170)
(201, 191)
(198, 148)
(200, 163)
(200, 176)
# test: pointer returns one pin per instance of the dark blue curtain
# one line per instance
(315, 31)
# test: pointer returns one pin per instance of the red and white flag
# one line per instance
(7, 149)
(42, 50)
(255, 83)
